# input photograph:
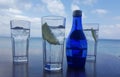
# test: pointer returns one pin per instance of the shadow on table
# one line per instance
(53, 74)
(89, 71)
(75, 73)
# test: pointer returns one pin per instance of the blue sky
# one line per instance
(104, 12)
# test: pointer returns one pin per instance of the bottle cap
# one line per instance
(77, 13)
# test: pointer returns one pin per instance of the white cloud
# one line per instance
(21, 17)
(118, 26)
(28, 6)
(109, 31)
(32, 19)
(39, 8)
(6, 3)
(117, 18)
(85, 2)
(15, 11)
(5, 24)
(35, 21)
(75, 7)
(76, 2)
(56, 7)
(100, 11)
(89, 2)
(23, 4)
(83, 15)
(4, 31)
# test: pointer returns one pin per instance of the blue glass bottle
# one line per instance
(76, 43)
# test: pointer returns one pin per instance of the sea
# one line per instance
(107, 46)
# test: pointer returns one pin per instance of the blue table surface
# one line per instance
(105, 66)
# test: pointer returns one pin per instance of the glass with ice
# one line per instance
(91, 33)
(20, 33)
(53, 34)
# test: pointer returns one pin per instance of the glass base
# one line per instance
(20, 59)
(53, 67)
(91, 58)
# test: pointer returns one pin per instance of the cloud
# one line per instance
(32, 19)
(85, 2)
(5, 24)
(39, 8)
(17, 9)
(89, 2)
(20, 4)
(55, 7)
(75, 7)
(23, 4)
(35, 24)
(109, 31)
(100, 11)
(14, 11)
(83, 15)
(28, 6)
(4, 31)
(11, 10)
(117, 18)
(6, 3)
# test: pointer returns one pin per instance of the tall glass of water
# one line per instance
(53, 34)
(20, 33)
(91, 32)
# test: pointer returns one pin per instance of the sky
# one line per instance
(104, 12)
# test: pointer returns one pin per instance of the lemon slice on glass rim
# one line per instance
(48, 35)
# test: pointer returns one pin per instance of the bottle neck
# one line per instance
(77, 23)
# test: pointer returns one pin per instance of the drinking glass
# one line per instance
(91, 33)
(53, 34)
(20, 33)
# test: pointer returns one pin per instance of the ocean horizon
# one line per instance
(106, 46)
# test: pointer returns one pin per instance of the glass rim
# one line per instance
(17, 20)
(96, 24)
(91, 25)
(53, 17)
(20, 20)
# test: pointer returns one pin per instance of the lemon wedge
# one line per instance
(48, 35)
(93, 34)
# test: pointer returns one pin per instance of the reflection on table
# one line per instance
(106, 65)
(20, 70)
